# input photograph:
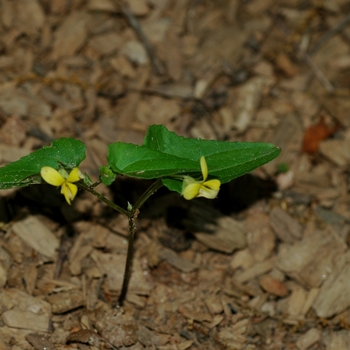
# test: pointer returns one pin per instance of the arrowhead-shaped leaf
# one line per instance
(164, 154)
(65, 152)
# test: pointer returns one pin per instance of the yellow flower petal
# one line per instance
(51, 176)
(69, 191)
(207, 193)
(75, 175)
(191, 191)
(204, 168)
(213, 184)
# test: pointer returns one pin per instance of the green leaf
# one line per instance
(65, 153)
(144, 163)
(165, 154)
(226, 160)
(107, 175)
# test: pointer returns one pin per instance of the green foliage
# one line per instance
(165, 154)
(63, 153)
(107, 175)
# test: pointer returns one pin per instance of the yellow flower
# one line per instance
(61, 178)
(208, 189)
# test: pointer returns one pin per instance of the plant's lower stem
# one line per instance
(131, 238)
(129, 258)
(132, 215)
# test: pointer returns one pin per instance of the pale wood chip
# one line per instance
(288, 136)
(243, 258)
(66, 301)
(337, 340)
(226, 234)
(3, 275)
(23, 103)
(102, 5)
(286, 228)
(248, 99)
(337, 151)
(296, 302)
(256, 270)
(214, 304)
(112, 265)
(75, 263)
(70, 35)
(138, 7)
(37, 236)
(135, 52)
(13, 131)
(7, 13)
(31, 16)
(311, 260)
(176, 261)
(333, 295)
(260, 238)
(311, 337)
(10, 154)
(26, 320)
(311, 297)
(173, 55)
(25, 311)
(105, 44)
(338, 107)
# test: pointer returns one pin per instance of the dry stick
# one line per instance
(134, 24)
(317, 72)
(337, 29)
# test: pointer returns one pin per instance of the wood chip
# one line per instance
(337, 151)
(70, 35)
(256, 270)
(21, 310)
(311, 337)
(112, 265)
(285, 227)
(65, 301)
(287, 136)
(176, 261)
(248, 99)
(311, 260)
(37, 236)
(332, 299)
(273, 286)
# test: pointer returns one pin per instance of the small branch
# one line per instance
(134, 24)
(337, 29)
(104, 199)
(317, 72)
(148, 193)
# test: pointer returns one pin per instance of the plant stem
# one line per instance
(105, 200)
(148, 193)
(131, 238)
(132, 216)
(129, 259)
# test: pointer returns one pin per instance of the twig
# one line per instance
(329, 34)
(134, 24)
(317, 72)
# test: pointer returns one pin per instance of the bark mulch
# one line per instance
(264, 266)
